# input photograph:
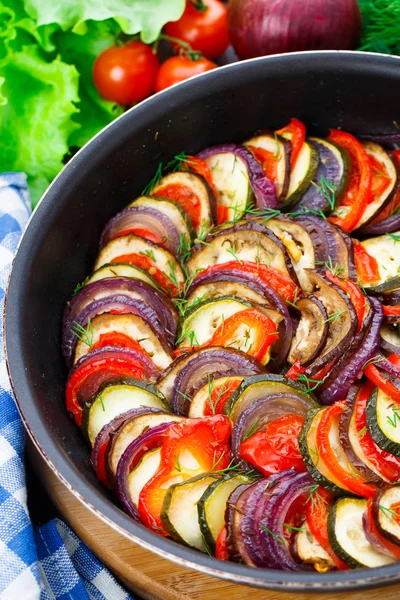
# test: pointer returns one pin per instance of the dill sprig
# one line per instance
(327, 191)
(154, 180)
(308, 382)
(278, 538)
(84, 334)
(391, 514)
(394, 237)
(307, 211)
(79, 286)
(314, 497)
(335, 269)
(251, 430)
(335, 316)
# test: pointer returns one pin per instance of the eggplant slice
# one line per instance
(280, 150)
(311, 333)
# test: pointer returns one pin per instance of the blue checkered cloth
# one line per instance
(48, 562)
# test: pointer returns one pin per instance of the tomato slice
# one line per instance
(347, 476)
(386, 464)
(95, 370)
(248, 330)
(276, 448)
(145, 263)
(393, 548)
(189, 448)
(199, 166)
(366, 266)
(358, 191)
(382, 382)
(355, 294)
(295, 370)
(391, 310)
(115, 338)
(183, 195)
(268, 160)
(141, 232)
(280, 282)
(221, 550)
(296, 132)
(222, 213)
(394, 359)
(219, 396)
(317, 521)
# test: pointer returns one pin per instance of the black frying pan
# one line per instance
(358, 92)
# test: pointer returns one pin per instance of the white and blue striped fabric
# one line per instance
(48, 562)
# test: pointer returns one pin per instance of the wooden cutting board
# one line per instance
(155, 578)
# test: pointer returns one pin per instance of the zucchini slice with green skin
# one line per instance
(110, 270)
(128, 432)
(383, 421)
(202, 195)
(311, 456)
(174, 211)
(142, 473)
(301, 175)
(116, 397)
(179, 513)
(386, 251)
(380, 200)
(232, 181)
(279, 148)
(347, 537)
(133, 244)
(133, 327)
(212, 506)
(200, 323)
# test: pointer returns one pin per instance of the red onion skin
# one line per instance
(262, 27)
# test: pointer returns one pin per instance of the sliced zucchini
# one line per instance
(212, 506)
(142, 473)
(216, 289)
(388, 524)
(200, 323)
(385, 249)
(279, 149)
(121, 270)
(116, 397)
(161, 258)
(312, 459)
(302, 174)
(347, 537)
(179, 513)
(174, 211)
(232, 182)
(129, 431)
(310, 552)
(198, 192)
(202, 403)
(298, 244)
(243, 241)
(379, 199)
(383, 421)
(133, 327)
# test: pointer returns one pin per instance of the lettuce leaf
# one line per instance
(36, 119)
(134, 16)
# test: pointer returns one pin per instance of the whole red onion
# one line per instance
(260, 27)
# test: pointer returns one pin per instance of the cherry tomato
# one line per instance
(180, 68)
(276, 448)
(203, 25)
(126, 74)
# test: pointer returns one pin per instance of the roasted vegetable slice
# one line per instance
(302, 174)
(273, 153)
(311, 332)
(383, 420)
(384, 250)
(309, 551)
(120, 270)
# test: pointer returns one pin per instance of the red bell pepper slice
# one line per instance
(268, 160)
(391, 310)
(222, 213)
(221, 549)
(366, 266)
(295, 370)
(141, 232)
(145, 263)
(199, 166)
(95, 370)
(347, 477)
(206, 440)
(393, 548)
(394, 205)
(219, 396)
(183, 195)
(101, 472)
(296, 132)
(276, 448)
(317, 521)
(280, 282)
(355, 294)
(358, 191)
(394, 359)
(387, 465)
(250, 330)
(379, 379)
(380, 178)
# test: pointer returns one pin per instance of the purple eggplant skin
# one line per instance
(352, 370)
(145, 217)
(389, 140)
(91, 301)
(124, 466)
(328, 169)
(263, 188)
(388, 225)
(344, 424)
